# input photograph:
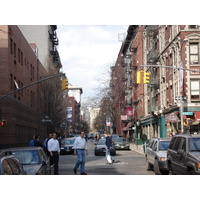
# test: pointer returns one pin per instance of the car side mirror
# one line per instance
(180, 152)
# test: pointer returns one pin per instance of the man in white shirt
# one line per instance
(54, 150)
(79, 149)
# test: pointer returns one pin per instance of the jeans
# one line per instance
(108, 156)
(81, 160)
(144, 146)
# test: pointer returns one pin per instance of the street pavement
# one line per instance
(127, 162)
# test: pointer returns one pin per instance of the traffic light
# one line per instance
(146, 77)
(140, 77)
(143, 77)
(3, 123)
(65, 84)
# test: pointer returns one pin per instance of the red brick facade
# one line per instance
(19, 67)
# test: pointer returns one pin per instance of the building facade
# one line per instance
(25, 110)
(170, 101)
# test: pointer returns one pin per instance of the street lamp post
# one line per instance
(181, 86)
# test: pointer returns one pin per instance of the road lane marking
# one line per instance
(118, 163)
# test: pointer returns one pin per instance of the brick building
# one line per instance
(157, 108)
(24, 110)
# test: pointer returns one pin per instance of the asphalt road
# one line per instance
(126, 163)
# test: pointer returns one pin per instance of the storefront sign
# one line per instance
(188, 113)
(129, 111)
(123, 117)
(171, 118)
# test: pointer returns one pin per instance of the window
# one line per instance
(19, 55)
(15, 48)
(193, 26)
(154, 146)
(195, 94)
(11, 82)
(183, 144)
(22, 58)
(194, 53)
(177, 143)
(11, 46)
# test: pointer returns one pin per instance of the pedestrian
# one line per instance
(45, 144)
(109, 158)
(37, 142)
(144, 141)
(54, 150)
(31, 143)
(80, 148)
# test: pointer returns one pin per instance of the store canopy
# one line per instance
(195, 123)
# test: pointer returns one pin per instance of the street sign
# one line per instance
(179, 98)
(188, 113)
(46, 120)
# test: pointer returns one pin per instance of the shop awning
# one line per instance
(195, 123)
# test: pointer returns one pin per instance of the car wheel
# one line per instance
(191, 172)
(148, 166)
(156, 167)
(171, 172)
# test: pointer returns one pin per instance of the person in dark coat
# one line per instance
(144, 141)
(109, 158)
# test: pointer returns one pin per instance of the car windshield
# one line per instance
(101, 142)
(120, 140)
(163, 145)
(194, 144)
(67, 142)
(27, 157)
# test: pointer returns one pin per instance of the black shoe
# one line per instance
(75, 171)
(113, 161)
(83, 173)
(56, 173)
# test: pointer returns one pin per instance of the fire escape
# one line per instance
(152, 58)
(54, 41)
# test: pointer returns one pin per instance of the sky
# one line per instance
(86, 50)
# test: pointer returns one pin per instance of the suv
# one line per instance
(156, 155)
(183, 154)
(10, 165)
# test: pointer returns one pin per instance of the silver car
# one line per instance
(156, 155)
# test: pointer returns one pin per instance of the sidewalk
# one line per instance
(137, 148)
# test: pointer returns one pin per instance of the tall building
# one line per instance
(46, 41)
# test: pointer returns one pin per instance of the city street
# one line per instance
(126, 163)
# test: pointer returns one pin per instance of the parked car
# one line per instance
(183, 154)
(100, 148)
(114, 137)
(156, 155)
(9, 164)
(66, 145)
(33, 160)
(91, 136)
(121, 143)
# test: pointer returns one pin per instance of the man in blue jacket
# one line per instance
(109, 158)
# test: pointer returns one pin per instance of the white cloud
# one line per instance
(84, 50)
